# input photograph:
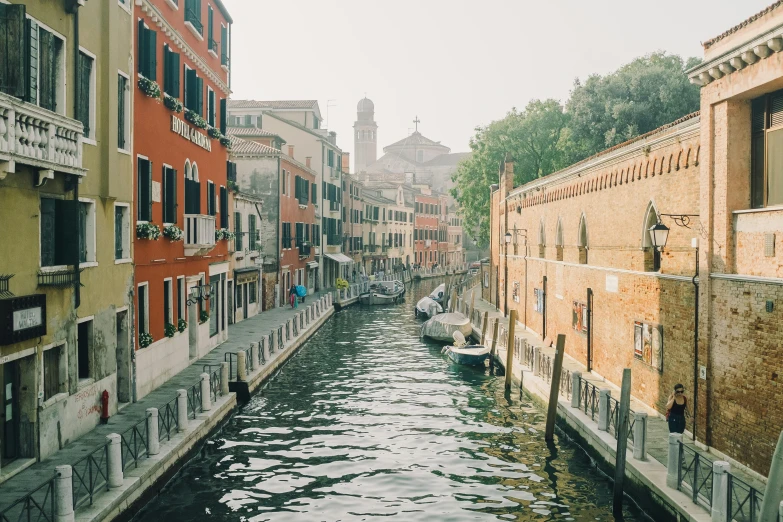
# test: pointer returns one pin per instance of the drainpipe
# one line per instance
(695, 281)
(77, 275)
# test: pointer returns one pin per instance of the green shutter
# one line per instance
(223, 207)
(223, 45)
(32, 61)
(144, 187)
(141, 58)
(210, 33)
(67, 244)
(13, 49)
(223, 115)
(211, 109)
(191, 88)
(83, 100)
(200, 93)
(152, 55)
(47, 70)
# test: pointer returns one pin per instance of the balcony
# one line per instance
(193, 23)
(199, 234)
(212, 47)
(40, 138)
(304, 249)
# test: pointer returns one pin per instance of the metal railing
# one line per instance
(133, 443)
(614, 419)
(588, 397)
(280, 340)
(90, 476)
(168, 420)
(744, 501)
(194, 400)
(695, 473)
(232, 359)
(215, 381)
(38, 504)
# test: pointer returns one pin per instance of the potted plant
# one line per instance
(148, 231)
(232, 185)
(204, 317)
(145, 339)
(170, 330)
(149, 87)
(341, 283)
(196, 119)
(174, 233)
(182, 325)
(172, 103)
(214, 133)
(224, 234)
(225, 142)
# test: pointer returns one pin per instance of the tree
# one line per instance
(533, 139)
(639, 97)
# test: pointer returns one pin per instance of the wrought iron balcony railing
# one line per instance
(35, 136)
(58, 279)
(194, 19)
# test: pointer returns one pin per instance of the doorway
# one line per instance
(123, 358)
(9, 395)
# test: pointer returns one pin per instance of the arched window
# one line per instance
(192, 189)
(652, 257)
(188, 174)
(582, 240)
(559, 240)
(541, 240)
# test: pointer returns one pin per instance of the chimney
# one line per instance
(506, 176)
(346, 161)
(291, 151)
(307, 160)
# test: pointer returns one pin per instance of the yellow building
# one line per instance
(65, 195)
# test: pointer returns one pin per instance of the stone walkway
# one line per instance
(657, 427)
(240, 337)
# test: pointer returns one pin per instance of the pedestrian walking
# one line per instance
(292, 296)
(676, 409)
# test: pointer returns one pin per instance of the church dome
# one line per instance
(365, 105)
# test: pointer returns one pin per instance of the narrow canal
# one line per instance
(370, 421)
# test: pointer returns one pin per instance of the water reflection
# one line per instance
(370, 421)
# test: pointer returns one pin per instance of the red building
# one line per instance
(425, 231)
(182, 59)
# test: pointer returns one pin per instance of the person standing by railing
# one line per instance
(676, 409)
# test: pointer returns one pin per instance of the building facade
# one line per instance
(65, 170)
(426, 225)
(181, 208)
(580, 259)
(353, 212)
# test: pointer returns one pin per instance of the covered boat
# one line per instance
(438, 294)
(383, 292)
(427, 307)
(469, 354)
(442, 326)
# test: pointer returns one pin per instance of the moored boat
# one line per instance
(383, 292)
(463, 353)
(427, 307)
(442, 326)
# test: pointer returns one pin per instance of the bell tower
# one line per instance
(365, 135)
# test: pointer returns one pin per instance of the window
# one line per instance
(85, 103)
(767, 150)
(170, 72)
(84, 345)
(193, 15)
(299, 235)
(59, 239)
(652, 256)
(315, 122)
(285, 182)
(168, 304)
(224, 43)
(143, 309)
(223, 207)
(316, 234)
(169, 195)
(54, 372)
(194, 91)
(330, 158)
(211, 201)
(86, 231)
(181, 298)
(286, 236)
(238, 231)
(144, 189)
(210, 107)
(252, 292)
(33, 61)
(314, 189)
(223, 115)
(148, 47)
(559, 241)
(582, 241)
(211, 43)
(251, 230)
(123, 112)
(121, 232)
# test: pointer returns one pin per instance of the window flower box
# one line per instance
(204, 317)
(145, 339)
(147, 231)
(170, 330)
(173, 104)
(224, 234)
(225, 142)
(214, 133)
(194, 118)
(148, 87)
(174, 233)
(182, 325)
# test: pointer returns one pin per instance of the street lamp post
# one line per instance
(507, 240)
(659, 233)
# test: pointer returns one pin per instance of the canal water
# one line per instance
(370, 422)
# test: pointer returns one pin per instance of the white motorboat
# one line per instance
(442, 326)
(383, 292)
(427, 307)
(463, 353)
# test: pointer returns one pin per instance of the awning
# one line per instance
(312, 264)
(339, 258)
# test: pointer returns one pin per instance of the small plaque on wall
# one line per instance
(156, 192)
(648, 344)
(612, 283)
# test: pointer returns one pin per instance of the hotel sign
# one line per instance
(190, 133)
(22, 318)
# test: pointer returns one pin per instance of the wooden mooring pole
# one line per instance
(512, 321)
(494, 345)
(622, 442)
(484, 328)
(554, 391)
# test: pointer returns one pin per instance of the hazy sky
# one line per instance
(456, 64)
